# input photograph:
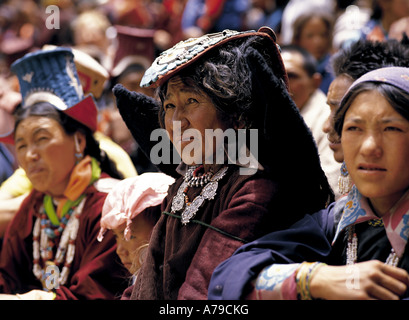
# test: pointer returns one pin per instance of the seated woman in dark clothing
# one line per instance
(230, 83)
(357, 247)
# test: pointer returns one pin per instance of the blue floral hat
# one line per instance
(51, 76)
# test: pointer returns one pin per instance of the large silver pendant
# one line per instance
(179, 199)
(207, 193)
(191, 209)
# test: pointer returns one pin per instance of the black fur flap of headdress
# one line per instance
(140, 114)
(286, 144)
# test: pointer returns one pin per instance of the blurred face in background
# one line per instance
(315, 37)
(302, 85)
(336, 91)
(132, 80)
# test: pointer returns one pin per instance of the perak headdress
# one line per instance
(186, 52)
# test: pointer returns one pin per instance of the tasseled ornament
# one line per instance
(344, 181)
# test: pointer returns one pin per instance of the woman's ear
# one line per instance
(80, 142)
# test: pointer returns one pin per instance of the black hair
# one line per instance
(366, 55)
(309, 62)
(70, 126)
(396, 97)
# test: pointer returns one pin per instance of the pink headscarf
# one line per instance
(130, 197)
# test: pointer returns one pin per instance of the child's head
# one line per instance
(313, 32)
(129, 212)
(130, 250)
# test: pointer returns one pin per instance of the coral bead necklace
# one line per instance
(45, 238)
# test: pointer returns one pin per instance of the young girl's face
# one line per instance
(315, 37)
(130, 252)
(375, 140)
(336, 91)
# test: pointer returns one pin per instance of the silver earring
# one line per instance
(78, 154)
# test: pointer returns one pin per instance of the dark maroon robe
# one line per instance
(96, 271)
(181, 258)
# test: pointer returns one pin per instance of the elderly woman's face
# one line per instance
(188, 114)
(375, 141)
(46, 153)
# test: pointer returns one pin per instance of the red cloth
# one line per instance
(96, 271)
(213, 10)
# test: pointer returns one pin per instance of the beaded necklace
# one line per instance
(352, 250)
(181, 201)
(44, 239)
(194, 179)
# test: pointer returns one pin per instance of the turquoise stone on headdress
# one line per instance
(184, 53)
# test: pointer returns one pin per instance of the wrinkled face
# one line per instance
(301, 85)
(315, 37)
(375, 140)
(46, 153)
(131, 252)
(336, 91)
(188, 114)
